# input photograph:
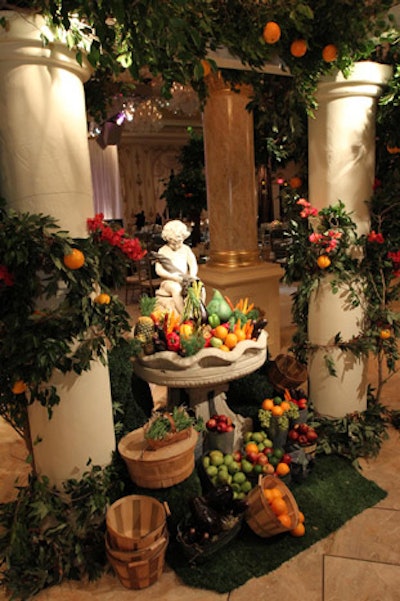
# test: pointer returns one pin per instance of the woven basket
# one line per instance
(172, 436)
(259, 515)
(142, 573)
(135, 522)
(286, 372)
(136, 555)
(158, 468)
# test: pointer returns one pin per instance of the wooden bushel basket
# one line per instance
(286, 372)
(141, 554)
(259, 515)
(135, 522)
(158, 468)
(142, 573)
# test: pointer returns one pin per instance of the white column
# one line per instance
(341, 167)
(45, 168)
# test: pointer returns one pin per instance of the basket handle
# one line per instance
(167, 509)
(171, 420)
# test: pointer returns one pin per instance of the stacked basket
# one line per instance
(137, 539)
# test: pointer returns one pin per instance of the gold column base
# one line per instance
(234, 258)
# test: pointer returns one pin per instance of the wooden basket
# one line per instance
(135, 522)
(286, 372)
(172, 436)
(142, 573)
(259, 515)
(158, 468)
(140, 554)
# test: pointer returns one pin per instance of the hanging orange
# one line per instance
(323, 261)
(103, 299)
(206, 67)
(329, 53)
(18, 387)
(271, 32)
(75, 259)
(298, 48)
(295, 182)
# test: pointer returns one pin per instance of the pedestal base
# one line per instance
(259, 282)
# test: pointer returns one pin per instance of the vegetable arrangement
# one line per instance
(167, 426)
(220, 324)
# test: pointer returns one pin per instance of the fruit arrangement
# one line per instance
(240, 469)
(220, 423)
(278, 413)
(220, 324)
(302, 434)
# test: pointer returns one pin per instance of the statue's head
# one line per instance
(175, 231)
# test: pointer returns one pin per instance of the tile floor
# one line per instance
(359, 562)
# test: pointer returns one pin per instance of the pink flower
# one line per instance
(374, 237)
(315, 238)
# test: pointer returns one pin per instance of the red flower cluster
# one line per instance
(395, 257)
(377, 238)
(308, 210)
(131, 247)
(6, 276)
(328, 240)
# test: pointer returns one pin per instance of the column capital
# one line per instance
(216, 84)
(365, 79)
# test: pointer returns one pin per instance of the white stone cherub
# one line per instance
(175, 263)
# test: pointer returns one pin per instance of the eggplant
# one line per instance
(258, 326)
(239, 506)
(220, 498)
(205, 516)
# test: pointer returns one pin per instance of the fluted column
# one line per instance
(235, 267)
(341, 167)
(45, 168)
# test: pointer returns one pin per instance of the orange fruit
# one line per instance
(268, 494)
(251, 447)
(231, 340)
(277, 410)
(299, 530)
(75, 259)
(282, 469)
(385, 334)
(224, 348)
(279, 506)
(323, 261)
(240, 335)
(329, 53)
(103, 299)
(302, 519)
(298, 48)
(267, 404)
(19, 387)
(221, 332)
(285, 405)
(206, 67)
(295, 182)
(271, 32)
(392, 149)
(285, 520)
(275, 493)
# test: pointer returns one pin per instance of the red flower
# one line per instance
(6, 276)
(131, 247)
(374, 237)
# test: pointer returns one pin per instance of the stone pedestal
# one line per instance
(45, 168)
(341, 167)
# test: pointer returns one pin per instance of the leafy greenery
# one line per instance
(51, 316)
(163, 423)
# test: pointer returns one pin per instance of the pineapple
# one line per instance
(145, 328)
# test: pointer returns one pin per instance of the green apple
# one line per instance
(239, 478)
(246, 487)
(215, 342)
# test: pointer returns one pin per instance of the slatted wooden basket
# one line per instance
(158, 468)
(286, 372)
(135, 522)
(259, 515)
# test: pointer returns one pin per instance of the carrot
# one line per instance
(230, 303)
(287, 395)
(249, 308)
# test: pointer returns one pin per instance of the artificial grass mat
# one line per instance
(333, 493)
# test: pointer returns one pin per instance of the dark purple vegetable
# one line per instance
(205, 516)
(220, 498)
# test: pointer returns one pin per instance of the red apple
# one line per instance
(268, 469)
(311, 435)
(287, 458)
(230, 428)
(303, 440)
(223, 418)
(293, 435)
(211, 424)
(237, 456)
(268, 451)
(303, 428)
(221, 427)
(252, 457)
(262, 459)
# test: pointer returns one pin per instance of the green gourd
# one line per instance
(219, 306)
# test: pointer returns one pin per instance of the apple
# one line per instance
(211, 424)
(223, 418)
(252, 456)
(237, 456)
(230, 428)
(303, 428)
(293, 435)
(303, 440)
(311, 435)
(268, 469)
(287, 458)
(262, 459)
(221, 427)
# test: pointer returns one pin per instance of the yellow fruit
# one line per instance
(299, 530)
(298, 48)
(323, 261)
(231, 340)
(18, 387)
(75, 259)
(385, 334)
(329, 53)
(271, 32)
(224, 348)
(103, 299)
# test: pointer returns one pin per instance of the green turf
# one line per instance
(333, 493)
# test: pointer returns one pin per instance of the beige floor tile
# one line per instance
(354, 580)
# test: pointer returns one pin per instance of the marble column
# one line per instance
(342, 167)
(234, 266)
(45, 168)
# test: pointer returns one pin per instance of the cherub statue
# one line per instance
(175, 263)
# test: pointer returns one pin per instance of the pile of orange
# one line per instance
(279, 506)
(277, 408)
